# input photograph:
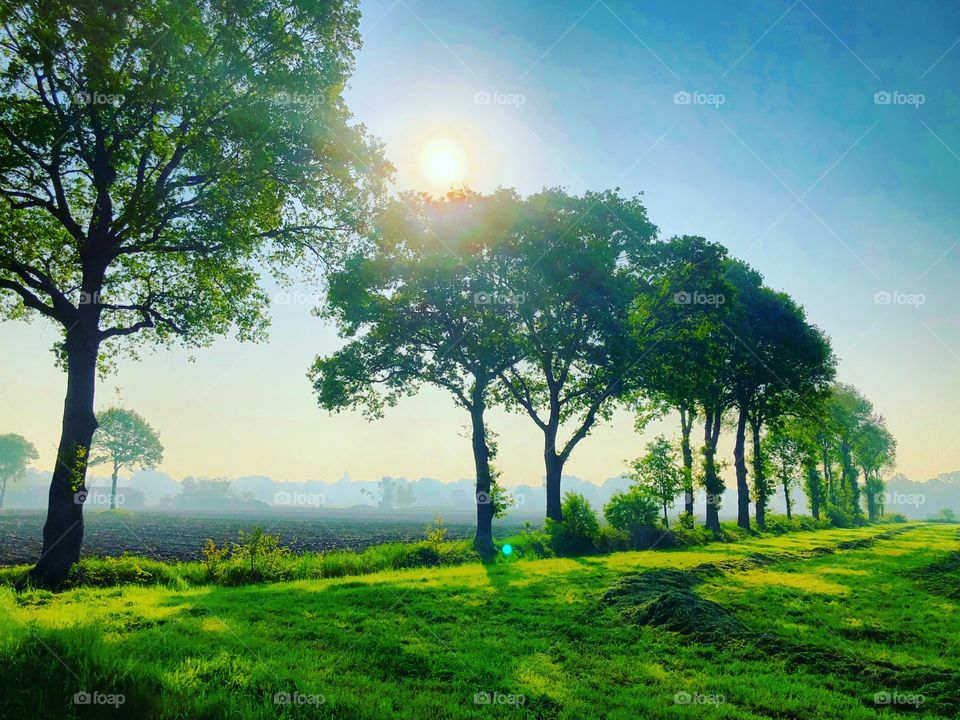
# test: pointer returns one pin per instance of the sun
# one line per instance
(443, 162)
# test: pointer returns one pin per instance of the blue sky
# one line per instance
(785, 154)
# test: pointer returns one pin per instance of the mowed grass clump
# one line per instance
(531, 639)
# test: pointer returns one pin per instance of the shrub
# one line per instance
(633, 513)
(579, 531)
(893, 518)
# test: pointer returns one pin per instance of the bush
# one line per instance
(779, 524)
(893, 518)
(579, 531)
(634, 513)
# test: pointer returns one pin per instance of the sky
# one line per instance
(818, 140)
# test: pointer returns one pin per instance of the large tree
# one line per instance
(670, 371)
(154, 160)
(779, 362)
(15, 452)
(124, 440)
(582, 260)
(429, 300)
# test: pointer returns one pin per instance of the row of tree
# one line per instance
(157, 161)
(563, 307)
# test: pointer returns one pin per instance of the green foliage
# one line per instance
(435, 533)
(658, 474)
(125, 440)
(632, 510)
(15, 452)
(579, 531)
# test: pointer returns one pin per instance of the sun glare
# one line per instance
(443, 162)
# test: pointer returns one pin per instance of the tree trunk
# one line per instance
(666, 522)
(63, 531)
(713, 484)
(740, 463)
(483, 541)
(3, 492)
(828, 475)
(686, 425)
(786, 497)
(113, 490)
(554, 468)
(759, 477)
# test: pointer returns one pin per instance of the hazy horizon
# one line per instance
(840, 201)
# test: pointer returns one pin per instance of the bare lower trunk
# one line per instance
(554, 468)
(666, 522)
(740, 464)
(712, 482)
(3, 491)
(483, 541)
(759, 478)
(113, 489)
(63, 531)
(786, 497)
(686, 425)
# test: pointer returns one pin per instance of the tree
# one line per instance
(579, 271)
(669, 371)
(848, 412)
(155, 160)
(15, 452)
(659, 474)
(786, 454)
(874, 450)
(779, 361)
(427, 301)
(124, 440)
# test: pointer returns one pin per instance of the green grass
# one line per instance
(420, 643)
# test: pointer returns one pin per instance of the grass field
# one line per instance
(858, 623)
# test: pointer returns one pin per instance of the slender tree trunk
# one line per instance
(666, 522)
(713, 484)
(483, 541)
(828, 475)
(686, 425)
(786, 497)
(740, 463)
(759, 477)
(814, 489)
(113, 490)
(554, 468)
(63, 531)
(3, 492)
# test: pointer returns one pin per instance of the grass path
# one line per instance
(437, 643)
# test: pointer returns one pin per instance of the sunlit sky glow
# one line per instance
(801, 169)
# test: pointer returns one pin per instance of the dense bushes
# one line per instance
(579, 531)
